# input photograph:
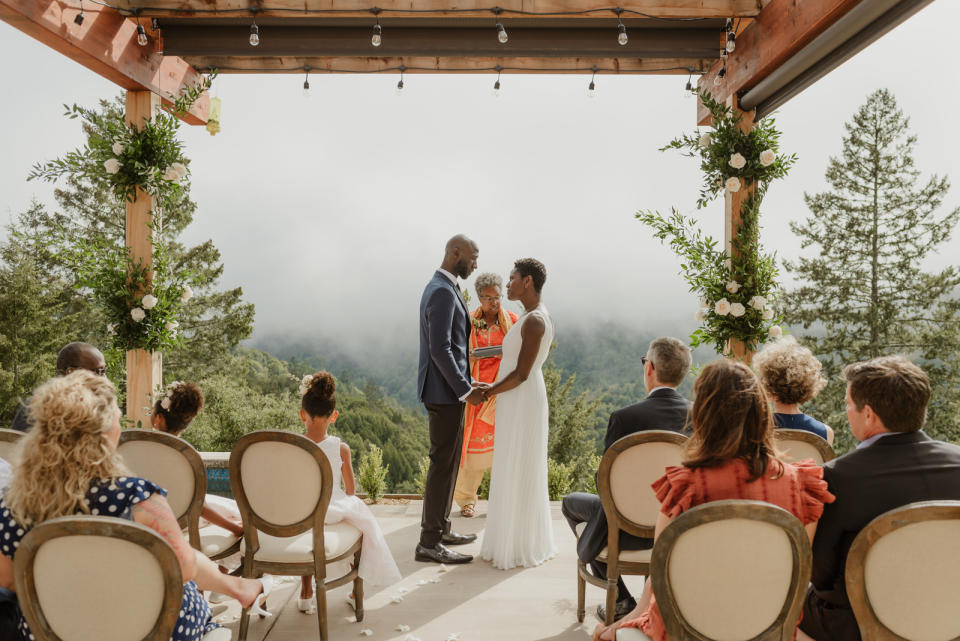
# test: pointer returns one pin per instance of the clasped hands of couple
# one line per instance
(479, 394)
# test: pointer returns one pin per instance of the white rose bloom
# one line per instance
(776, 332)
(722, 308)
(112, 165)
(767, 157)
(180, 168)
(171, 325)
(149, 301)
(187, 293)
(767, 314)
(306, 379)
(171, 175)
(733, 287)
(137, 314)
(758, 303)
(728, 264)
(165, 403)
(737, 310)
(701, 315)
(704, 303)
(705, 140)
(737, 161)
(111, 329)
(117, 148)
(733, 184)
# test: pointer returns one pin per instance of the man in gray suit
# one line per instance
(664, 368)
(443, 385)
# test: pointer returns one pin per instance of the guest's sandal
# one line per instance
(258, 605)
(467, 511)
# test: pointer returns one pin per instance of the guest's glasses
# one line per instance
(490, 299)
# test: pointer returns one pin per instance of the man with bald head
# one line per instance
(443, 385)
(72, 357)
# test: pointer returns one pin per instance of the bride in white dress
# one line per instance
(519, 530)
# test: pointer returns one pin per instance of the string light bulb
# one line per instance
(496, 85)
(592, 87)
(720, 75)
(306, 81)
(501, 31)
(254, 32)
(141, 34)
(377, 38)
(688, 90)
(78, 19)
(622, 38)
(731, 42)
(400, 84)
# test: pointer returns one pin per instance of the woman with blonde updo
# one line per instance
(791, 376)
(68, 465)
(318, 411)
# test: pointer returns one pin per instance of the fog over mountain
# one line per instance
(332, 211)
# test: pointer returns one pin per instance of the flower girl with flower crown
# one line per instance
(318, 412)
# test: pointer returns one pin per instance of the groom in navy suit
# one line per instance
(443, 385)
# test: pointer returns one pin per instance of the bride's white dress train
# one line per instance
(519, 531)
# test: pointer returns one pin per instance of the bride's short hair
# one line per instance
(533, 268)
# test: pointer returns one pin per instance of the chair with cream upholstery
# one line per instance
(8, 442)
(903, 574)
(734, 570)
(282, 482)
(627, 470)
(68, 569)
(174, 465)
(798, 445)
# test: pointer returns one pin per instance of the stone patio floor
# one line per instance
(474, 601)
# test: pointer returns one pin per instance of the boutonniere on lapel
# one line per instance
(479, 323)
(465, 295)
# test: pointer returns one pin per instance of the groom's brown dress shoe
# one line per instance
(440, 554)
(452, 538)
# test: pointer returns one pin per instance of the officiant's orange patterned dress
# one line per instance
(479, 420)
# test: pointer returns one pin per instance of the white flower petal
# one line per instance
(443, 568)
(402, 628)
(366, 632)
(396, 598)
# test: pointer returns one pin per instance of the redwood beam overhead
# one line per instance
(777, 32)
(106, 44)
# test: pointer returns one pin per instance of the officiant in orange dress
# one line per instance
(490, 324)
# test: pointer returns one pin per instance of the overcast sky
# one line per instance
(331, 210)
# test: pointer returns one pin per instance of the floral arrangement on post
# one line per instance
(737, 293)
(149, 157)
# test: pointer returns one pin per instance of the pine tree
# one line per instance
(865, 291)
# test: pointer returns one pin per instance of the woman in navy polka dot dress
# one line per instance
(68, 465)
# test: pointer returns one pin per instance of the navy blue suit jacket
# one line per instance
(444, 372)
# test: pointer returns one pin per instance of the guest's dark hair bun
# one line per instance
(179, 405)
(320, 398)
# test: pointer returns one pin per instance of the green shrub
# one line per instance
(420, 481)
(484, 491)
(372, 474)
(558, 480)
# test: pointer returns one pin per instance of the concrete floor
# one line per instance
(474, 601)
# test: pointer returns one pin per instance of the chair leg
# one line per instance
(581, 593)
(244, 619)
(322, 609)
(358, 587)
(611, 599)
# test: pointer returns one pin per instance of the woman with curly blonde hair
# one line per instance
(791, 376)
(68, 465)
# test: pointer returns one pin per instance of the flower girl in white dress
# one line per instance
(318, 412)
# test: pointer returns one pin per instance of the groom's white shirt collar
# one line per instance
(453, 279)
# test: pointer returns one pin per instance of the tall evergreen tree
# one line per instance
(865, 290)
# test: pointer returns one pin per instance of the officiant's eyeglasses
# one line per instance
(490, 299)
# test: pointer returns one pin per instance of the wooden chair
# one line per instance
(627, 470)
(797, 445)
(174, 465)
(734, 570)
(282, 482)
(99, 578)
(903, 573)
(8, 442)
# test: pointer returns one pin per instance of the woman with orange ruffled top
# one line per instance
(490, 324)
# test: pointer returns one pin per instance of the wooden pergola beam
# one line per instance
(106, 44)
(778, 32)
(460, 8)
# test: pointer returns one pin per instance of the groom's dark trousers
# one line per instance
(443, 378)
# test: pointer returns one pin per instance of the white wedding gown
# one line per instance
(518, 530)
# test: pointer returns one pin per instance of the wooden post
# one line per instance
(732, 204)
(144, 369)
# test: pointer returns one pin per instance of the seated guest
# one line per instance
(68, 465)
(730, 455)
(894, 464)
(172, 414)
(791, 376)
(664, 368)
(72, 356)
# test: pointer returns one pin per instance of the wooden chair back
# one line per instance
(97, 578)
(903, 574)
(8, 443)
(798, 445)
(732, 570)
(282, 483)
(627, 470)
(174, 465)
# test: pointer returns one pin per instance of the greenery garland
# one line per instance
(738, 293)
(141, 306)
